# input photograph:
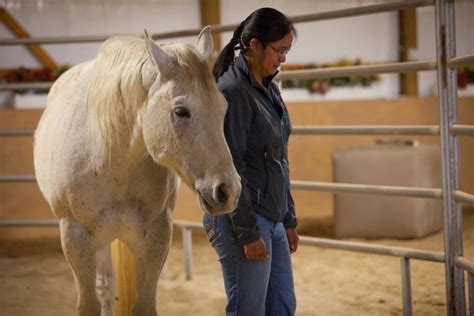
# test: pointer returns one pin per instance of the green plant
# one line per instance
(324, 85)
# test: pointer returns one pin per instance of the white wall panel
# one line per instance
(69, 18)
(373, 38)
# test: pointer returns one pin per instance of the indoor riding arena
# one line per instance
(380, 95)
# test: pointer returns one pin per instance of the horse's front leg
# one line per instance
(151, 253)
(77, 247)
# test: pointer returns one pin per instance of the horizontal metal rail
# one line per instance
(328, 186)
(459, 129)
(374, 249)
(464, 263)
(17, 131)
(54, 222)
(365, 130)
(364, 10)
(67, 39)
(320, 73)
(331, 72)
(26, 86)
(17, 179)
(461, 61)
(366, 188)
(330, 130)
(463, 197)
(310, 241)
(30, 223)
(187, 224)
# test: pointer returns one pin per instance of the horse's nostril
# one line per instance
(222, 194)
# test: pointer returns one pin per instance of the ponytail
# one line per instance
(226, 57)
(224, 60)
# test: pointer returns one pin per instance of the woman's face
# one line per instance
(273, 55)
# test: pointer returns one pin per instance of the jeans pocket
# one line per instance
(210, 227)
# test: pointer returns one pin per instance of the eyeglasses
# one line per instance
(280, 51)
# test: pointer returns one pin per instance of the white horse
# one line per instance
(116, 131)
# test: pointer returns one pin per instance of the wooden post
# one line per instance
(408, 40)
(210, 15)
(123, 263)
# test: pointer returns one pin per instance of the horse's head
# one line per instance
(183, 121)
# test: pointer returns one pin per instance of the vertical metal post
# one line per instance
(188, 253)
(406, 286)
(470, 279)
(165, 271)
(447, 89)
(459, 286)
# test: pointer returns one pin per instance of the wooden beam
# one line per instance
(211, 14)
(19, 31)
(408, 40)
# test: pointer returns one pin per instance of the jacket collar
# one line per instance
(241, 64)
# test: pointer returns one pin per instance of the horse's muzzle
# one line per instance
(220, 198)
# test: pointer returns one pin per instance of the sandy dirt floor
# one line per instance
(36, 280)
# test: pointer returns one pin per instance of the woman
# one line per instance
(255, 241)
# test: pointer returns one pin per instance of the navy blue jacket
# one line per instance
(257, 127)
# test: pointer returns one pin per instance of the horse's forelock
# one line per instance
(195, 72)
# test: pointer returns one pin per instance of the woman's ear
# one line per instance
(255, 45)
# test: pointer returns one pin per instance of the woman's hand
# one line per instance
(293, 239)
(256, 250)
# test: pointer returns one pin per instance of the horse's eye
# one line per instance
(182, 112)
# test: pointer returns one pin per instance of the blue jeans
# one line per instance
(254, 287)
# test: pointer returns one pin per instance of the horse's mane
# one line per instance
(116, 91)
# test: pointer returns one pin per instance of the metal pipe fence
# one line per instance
(447, 103)
(372, 9)
(461, 61)
(188, 226)
(448, 130)
(458, 129)
(25, 86)
(19, 178)
(366, 188)
(365, 130)
(461, 196)
(330, 72)
(17, 132)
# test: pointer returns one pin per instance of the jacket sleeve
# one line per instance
(236, 128)
(290, 220)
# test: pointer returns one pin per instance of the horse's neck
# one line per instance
(124, 154)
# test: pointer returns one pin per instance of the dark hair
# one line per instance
(265, 24)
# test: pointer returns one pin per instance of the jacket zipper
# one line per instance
(265, 157)
(283, 150)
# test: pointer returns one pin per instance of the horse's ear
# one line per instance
(204, 43)
(163, 61)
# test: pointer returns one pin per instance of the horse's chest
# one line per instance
(122, 199)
